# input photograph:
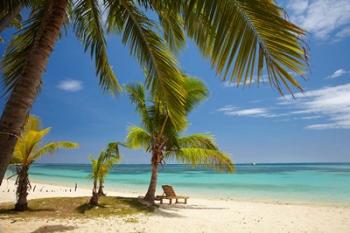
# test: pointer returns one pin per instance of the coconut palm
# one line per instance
(28, 149)
(112, 152)
(164, 141)
(243, 39)
(100, 168)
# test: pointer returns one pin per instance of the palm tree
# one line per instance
(163, 140)
(242, 39)
(27, 150)
(112, 152)
(100, 168)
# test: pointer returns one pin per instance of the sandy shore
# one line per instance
(200, 215)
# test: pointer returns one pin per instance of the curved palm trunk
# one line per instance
(23, 95)
(22, 189)
(150, 195)
(100, 188)
(94, 198)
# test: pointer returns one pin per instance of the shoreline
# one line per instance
(139, 192)
(199, 215)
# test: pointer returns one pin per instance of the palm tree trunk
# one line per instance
(100, 188)
(94, 198)
(23, 95)
(22, 189)
(6, 20)
(150, 195)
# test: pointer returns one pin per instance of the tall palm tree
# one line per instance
(100, 168)
(163, 140)
(27, 150)
(242, 38)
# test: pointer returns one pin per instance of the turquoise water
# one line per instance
(281, 182)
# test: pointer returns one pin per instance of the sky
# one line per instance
(252, 124)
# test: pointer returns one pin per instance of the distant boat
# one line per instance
(253, 163)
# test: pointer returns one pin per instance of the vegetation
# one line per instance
(27, 150)
(100, 168)
(242, 39)
(76, 207)
(163, 139)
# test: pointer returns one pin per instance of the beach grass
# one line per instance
(75, 207)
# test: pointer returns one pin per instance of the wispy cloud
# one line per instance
(248, 112)
(333, 103)
(70, 85)
(324, 108)
(338, 73)
(263, 80)
(324, 19)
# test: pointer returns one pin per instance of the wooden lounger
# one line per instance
(170, 194)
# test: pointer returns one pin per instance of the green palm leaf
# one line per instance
(163, 77)
(28, 147)
(88, 27)
(51, 148)
(18, 51)
(205, 141)
(138, 138)
(137, 96)
(248, 37)
(203, 157)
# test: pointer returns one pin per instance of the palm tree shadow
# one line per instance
(86, 207)
(167, 213)
(53, 228)
(171, 211)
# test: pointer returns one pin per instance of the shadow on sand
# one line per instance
(171, 211)
(53, 228)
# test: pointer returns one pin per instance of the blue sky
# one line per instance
(253, 124)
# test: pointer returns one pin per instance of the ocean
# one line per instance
(302, 182)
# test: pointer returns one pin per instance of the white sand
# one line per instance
(199, 215)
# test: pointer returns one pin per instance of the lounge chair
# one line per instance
(170, 194)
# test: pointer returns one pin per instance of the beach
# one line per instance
(199, 215)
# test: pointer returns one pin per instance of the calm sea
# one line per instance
(307, 182)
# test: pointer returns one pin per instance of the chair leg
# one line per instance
(161, 201)
(170, 201)
(185, 200)
(176, 201)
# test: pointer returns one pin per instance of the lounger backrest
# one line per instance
(169, 191)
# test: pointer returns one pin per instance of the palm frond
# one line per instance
(88, 28)
(204, 141)
(28, 143)
(112, 151)
(18, 50)
(250, 37)
(203, 157)
(196, 92)
(51, 148)
(163, 77)
(138, 97)
(138, 138)
(32, 123)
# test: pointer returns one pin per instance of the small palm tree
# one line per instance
(27, 150)
(100, 168)
(163, 140)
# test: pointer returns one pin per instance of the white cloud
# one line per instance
(325, 19)
(248, 112)
(263, 80)
(298, 6)
(324, 108)
(338, 73)
(70, 85)
(332, 103)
